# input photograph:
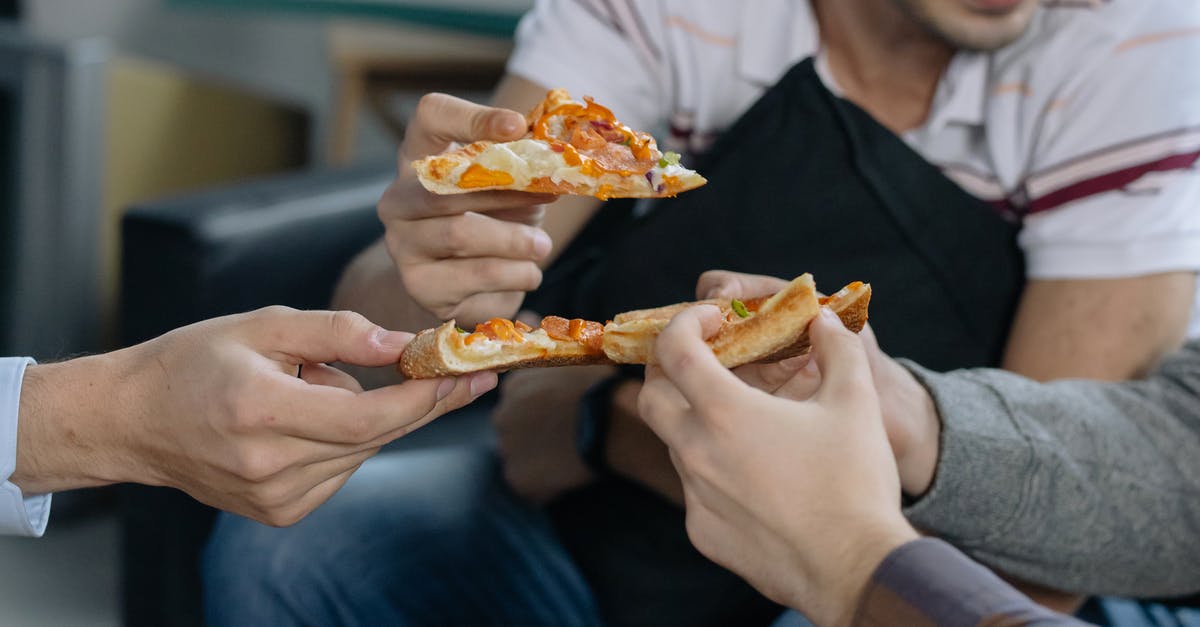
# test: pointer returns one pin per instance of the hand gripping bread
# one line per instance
(774, 327)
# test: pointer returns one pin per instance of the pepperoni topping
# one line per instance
(497, 329)
(586, 138)
(586, 332)
(609, 147)
(557, 328)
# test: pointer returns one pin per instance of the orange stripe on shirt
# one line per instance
(1154, 38)
(675, 21)
(1012, 88)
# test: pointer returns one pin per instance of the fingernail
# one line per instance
(445, 388)
(828, 314)
(542, 244)
(482, 383)
(392, 340)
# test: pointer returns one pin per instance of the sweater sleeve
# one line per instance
(1083, 486)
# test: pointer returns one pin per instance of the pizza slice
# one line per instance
(766, 329)
(570, 148)
(500, 344)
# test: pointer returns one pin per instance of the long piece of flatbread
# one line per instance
(775, 329)
(778, 329)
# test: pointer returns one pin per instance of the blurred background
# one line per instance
(164, 161)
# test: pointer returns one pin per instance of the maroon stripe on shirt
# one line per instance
(1110, 181)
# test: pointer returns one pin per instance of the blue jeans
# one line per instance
(446, 545)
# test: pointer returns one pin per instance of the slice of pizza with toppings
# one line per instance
(764, 329)
(571, 147)
(500, 344)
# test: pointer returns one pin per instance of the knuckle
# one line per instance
(430, 100)
(274, 312)
(359, 428)
(695, 529)
(454, 235)
(255, 464)
(284, 517)
(242, 409)
(428, 106)
(675, 360)
(696, 459)
(348, 324)
(647, 405)
(440, 203)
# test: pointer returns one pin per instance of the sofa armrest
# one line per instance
(279, 241)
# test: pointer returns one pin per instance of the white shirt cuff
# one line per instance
(19, 515)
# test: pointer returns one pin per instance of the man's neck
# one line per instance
(882, 59)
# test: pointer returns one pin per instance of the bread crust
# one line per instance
(851, 304)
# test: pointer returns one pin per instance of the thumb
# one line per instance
(726, 284)
(841, 359)
(441, 119)
(324, 336)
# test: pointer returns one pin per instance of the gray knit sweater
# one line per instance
(1081, 486)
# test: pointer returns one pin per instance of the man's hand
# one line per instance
(465, 256)
(217, 410)
(536, 422)
(796, 491)
(909, 414)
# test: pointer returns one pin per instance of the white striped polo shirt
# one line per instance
(1086, 129)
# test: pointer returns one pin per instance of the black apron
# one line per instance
(803, 182)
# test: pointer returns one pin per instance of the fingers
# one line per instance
(297, 492)
(407, 199)
(531, 215)
(441, 119)
(769, 377)
(663, 408)
(449, 282)
(421, 403)
(298, 337)
(321, 374)
(689, 363)
(839, 353)
(338, 416)
(803, 384)
(726, 284)
(472, 235)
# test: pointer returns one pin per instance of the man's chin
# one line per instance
(997, 8)
(980, 25)
(985, 31)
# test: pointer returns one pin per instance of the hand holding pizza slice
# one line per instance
(765, 329)
(570, 148)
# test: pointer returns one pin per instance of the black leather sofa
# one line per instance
(281, 241)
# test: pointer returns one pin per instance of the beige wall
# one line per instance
(283, 57)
